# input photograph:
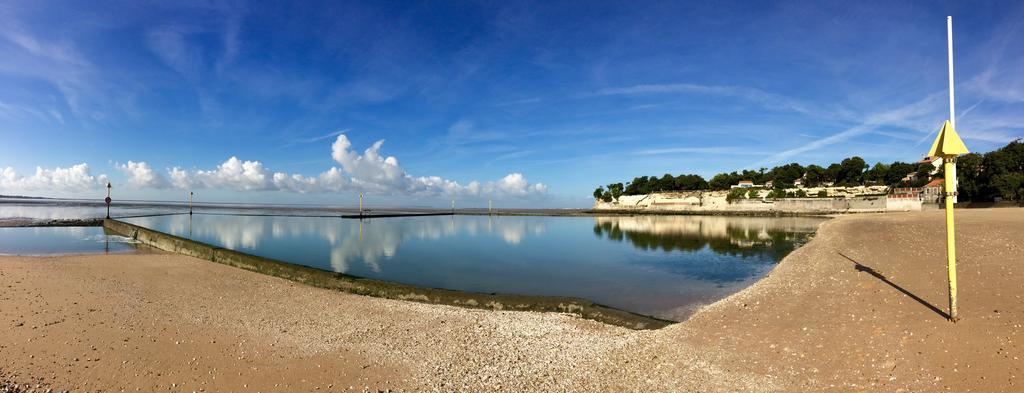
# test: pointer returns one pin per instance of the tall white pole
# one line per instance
(949, 42)
(952, 111)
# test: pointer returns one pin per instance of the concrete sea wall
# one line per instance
(716, 202)
(384, 289)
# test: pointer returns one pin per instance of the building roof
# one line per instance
(746, 181)
(935, 183)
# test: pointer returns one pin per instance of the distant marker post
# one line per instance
(107, 200)
(190, 203)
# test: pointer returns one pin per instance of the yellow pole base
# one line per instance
(948, 164)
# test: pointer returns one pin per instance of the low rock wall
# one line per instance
(716, 202)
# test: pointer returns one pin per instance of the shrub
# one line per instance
(734, 194)
(822, 194)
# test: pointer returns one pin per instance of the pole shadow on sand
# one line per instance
(867, 269)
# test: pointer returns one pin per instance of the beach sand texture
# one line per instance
(857, 309)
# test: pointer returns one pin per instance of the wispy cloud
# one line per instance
(318, 138)
(170, 43)
(524, 101)
(62, 51)
(732, 150)
(12, 111)
(914, 116)
(753, 95)
(57, 62)
(464, 132)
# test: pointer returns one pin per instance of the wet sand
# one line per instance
(857, 309)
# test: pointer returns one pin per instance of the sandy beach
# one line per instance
(859, 308)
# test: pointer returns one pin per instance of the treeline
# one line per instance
(982, 177)
(996, 174)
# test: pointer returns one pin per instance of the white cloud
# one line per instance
(180, 178)
(373, 172)
(75, 178)
(370, 171)
(141, 175)
(235, 174)
(514, 184)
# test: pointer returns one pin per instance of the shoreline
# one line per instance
(818, 321)
(56, 222)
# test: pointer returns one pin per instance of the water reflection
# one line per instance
(662, 266)
(754, 243)
(61, 240)
(724, 235)
(351, 241)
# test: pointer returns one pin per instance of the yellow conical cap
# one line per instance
(947, 143)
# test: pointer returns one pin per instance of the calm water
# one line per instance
(661, 266)
(60, 240)
(46, 209)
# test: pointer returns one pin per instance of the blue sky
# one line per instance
(529, 104)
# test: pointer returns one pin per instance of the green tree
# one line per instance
(722, 181)
(970, 177)
(851, 171)
(690, 182)
(924, 171)
(784, 176)
(598, 193)
(814, 176)
(666, 183)
(1004, 170)
(877, 174)
(753, 193)
(832, 174)
(639, 186)
(616, 190)
(897, 171)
